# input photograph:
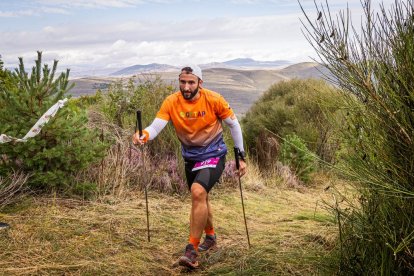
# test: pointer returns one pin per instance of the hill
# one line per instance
(239, 86)
(247, 63)
(304, 70)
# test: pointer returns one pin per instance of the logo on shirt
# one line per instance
(195, 114)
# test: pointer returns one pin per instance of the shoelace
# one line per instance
(209, 241)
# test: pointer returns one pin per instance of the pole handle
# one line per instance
(139, 123)
(236, 155)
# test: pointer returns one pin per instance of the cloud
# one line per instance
(99, 3)
(186, 30)
(114, 44)
(51, 10)
(170, 41)
(17, 13)
(90, 3)
(40, 7)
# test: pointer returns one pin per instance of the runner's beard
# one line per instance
(187, 95)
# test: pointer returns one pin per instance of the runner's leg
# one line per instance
(199, 211)
(209, 224)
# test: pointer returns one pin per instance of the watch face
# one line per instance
(242, 155)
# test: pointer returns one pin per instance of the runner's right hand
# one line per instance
(140, 140)
(242, 169)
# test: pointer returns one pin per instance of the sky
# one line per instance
(110, 34)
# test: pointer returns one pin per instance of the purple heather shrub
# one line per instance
(229, 175)
(135, 156)
(166, 175)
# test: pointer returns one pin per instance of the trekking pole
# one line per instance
(236, 155)
(139, 127)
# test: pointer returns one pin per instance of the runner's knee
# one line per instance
(198, 192)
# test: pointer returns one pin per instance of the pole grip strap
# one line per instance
(236, 155)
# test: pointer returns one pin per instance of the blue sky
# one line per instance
(104, 34)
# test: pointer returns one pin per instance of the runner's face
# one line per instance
(189, 85)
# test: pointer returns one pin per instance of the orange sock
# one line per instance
(209, 231)
(195, 242)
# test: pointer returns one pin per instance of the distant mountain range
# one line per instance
(241, 86)
(248, 62)
(136, 69)
(239, 63)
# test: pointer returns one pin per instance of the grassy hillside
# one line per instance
(289, 233)
(240, 87)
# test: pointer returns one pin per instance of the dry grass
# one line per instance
(289, 233)
(127, 167)
(12, 187)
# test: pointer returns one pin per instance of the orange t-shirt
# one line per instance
(197, 123)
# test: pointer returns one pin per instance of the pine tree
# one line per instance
(5, 78)
(63, 147)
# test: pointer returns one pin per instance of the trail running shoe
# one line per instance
(208, 243)
(190, 257)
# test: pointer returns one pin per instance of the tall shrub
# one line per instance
(124, 98)
(292, 107)
(64, 145)
(374, 65)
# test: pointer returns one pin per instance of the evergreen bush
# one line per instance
(295, 154)
(5, 77)
(63, 147)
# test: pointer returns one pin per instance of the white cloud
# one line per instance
(99, 3)
(171, 42)
(17, 13)
(90, 3)
(33, 12)
(39, 7)
(114, 45)
(52, 10)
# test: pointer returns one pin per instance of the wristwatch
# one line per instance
(242, 155)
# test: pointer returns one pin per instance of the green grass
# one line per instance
(318, 217)
(61, 236)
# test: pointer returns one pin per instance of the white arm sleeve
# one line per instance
(236, 132)
(155, 128)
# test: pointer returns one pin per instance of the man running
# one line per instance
(196, 114)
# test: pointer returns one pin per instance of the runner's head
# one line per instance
(190, 80)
